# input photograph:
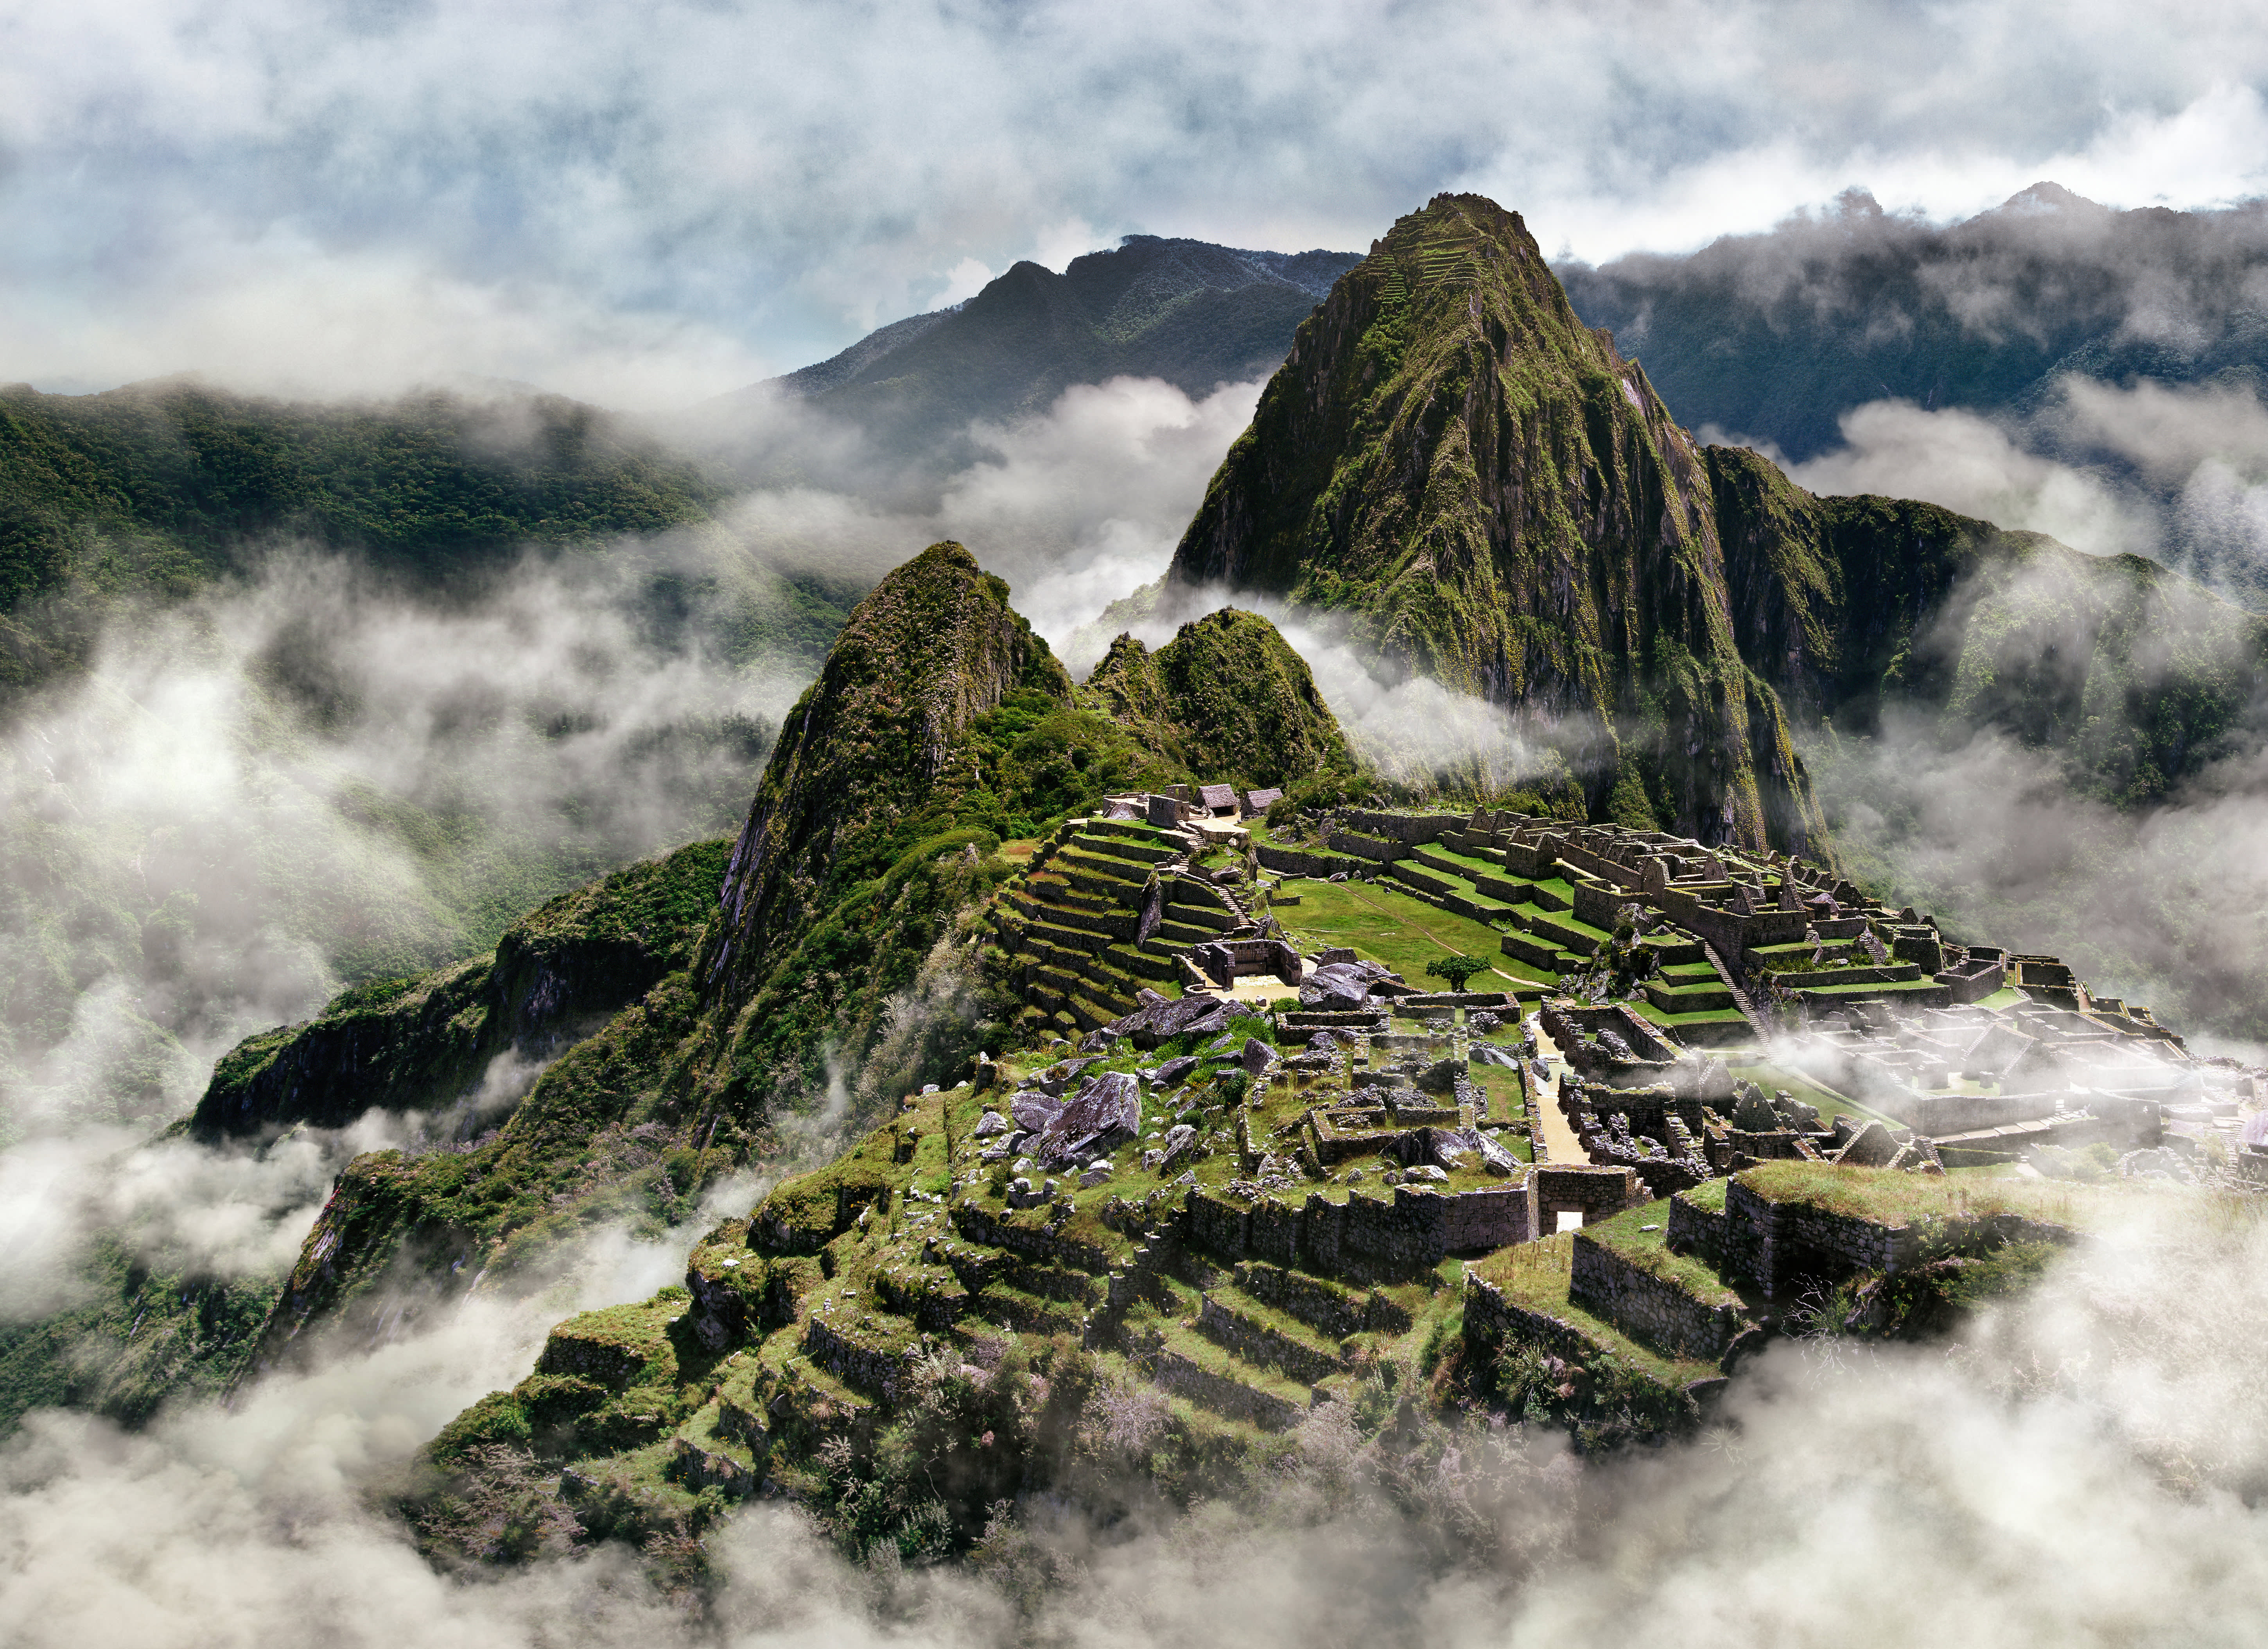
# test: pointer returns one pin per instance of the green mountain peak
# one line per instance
(1491, 494)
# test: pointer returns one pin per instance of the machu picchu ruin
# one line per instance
(1231, 1151)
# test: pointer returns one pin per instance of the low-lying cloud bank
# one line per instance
(2175, 472)
(2079, 1468)
(311, 776)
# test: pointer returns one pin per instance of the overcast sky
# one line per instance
(646, 203)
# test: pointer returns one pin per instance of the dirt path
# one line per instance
(1559, 1139)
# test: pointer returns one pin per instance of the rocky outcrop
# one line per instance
(426, 1042)
(1228, 696)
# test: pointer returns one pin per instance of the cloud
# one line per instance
(311, 774)
(2157, 906)
(1075, 506)
(2177, 472)
(642, 208)
(1969, 462)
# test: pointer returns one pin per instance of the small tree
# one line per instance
(1457, 969)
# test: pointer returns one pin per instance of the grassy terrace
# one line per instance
(1831, 1104)
(1638, 1234)
(1383, 924)
(1891, 1198)
(1534, 1275)
(1647, 1011)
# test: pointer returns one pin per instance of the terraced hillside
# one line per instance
(1107, 909)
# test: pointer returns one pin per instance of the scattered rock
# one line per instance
(991, 1124)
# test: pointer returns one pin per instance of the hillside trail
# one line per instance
(1560, 1142)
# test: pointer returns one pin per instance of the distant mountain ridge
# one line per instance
(1775, 336)
(1194, 315)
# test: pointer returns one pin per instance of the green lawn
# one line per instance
(1384, 925)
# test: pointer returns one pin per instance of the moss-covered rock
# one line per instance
(427, 1042)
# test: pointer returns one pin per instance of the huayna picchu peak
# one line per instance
(1485, 490)
(1454, 462)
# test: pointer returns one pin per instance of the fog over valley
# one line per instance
(1364, 825)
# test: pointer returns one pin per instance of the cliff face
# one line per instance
(425, 1043)
(1227, 696)
(2128, 674)
(875, 741)
(1489, 493)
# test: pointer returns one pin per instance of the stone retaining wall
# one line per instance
(1322, 1306)
(1297, 861)
(1363, 847)
(1646, 1307)
(1258, 1343)
(1695, 1230)
(1414, 830)
(978, 1224)
(1183, 1378)
(1491, 1320)
(877, 1368)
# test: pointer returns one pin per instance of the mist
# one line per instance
(309, 777)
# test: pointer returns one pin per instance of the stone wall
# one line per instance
(1491, 1320)
(1596, 1193)
(1296, 862)
(1363, 847)
(1695, 1230)
(1323, 1306)
(1183, 1378)
(1646, 1307)
(1363, 1237)
(1258, 1343)
(876, 1368)
(978, 1224)
(1491, 1218)
(1413, 829)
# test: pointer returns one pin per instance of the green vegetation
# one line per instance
(1384, 924)
(157, 489)
(1457, 969)
(1444, 374)
(1227, 698)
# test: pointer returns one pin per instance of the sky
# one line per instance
(645, 205)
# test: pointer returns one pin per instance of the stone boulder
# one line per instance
(1104, 1114)
(1339, 987)
(1257, 1058)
